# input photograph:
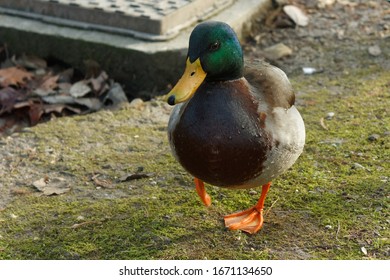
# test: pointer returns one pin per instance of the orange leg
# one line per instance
(250, 220)
(200, 189)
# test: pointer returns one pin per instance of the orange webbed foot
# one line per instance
(250, 220)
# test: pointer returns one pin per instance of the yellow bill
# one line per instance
(185, 88)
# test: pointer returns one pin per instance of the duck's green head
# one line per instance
(214, 54)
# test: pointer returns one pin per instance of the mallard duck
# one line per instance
(233, 126)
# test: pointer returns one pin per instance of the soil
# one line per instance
(337, 38)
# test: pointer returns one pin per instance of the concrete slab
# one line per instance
(145, 19)
(141, 66)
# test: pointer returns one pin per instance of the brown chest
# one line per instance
(220, 136)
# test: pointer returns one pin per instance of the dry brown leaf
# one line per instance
(30, 61)
(102, 182)
(35, 112)
(14, 76)
(47, 86)
(59, 99)
(116, 95)
(52, 186)
(66, 76)
(20, 191)
(99, 84)
(64, 88)
(79, 89)
(8, 98)
(59, 108)
(11, 123)
(93, 104)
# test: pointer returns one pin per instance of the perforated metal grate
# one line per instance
(148, 19)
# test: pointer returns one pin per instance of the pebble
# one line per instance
(277, 51)
(323, 3)
(296, 15)
(328, 227)
(375, 50)
(311, 70)
(358, 166)
(373, 137)
(253, 192)
(137, 103)
(13, 216)
(329, 115)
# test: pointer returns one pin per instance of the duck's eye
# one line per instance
(214, 46)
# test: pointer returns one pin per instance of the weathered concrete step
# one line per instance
(141, 66)
(145, 19)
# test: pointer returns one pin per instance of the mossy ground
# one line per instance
(330, 204)
(325, 207)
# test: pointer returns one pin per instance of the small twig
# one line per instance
(322, 123)
(84, 224)
(272, 205)
(338, 230)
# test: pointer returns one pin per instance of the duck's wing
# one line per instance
(270, 84)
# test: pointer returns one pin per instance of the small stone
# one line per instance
(374, 137)
(253, 192)
(329, 115)
(328, 227)
(296, 15)
(137, 103)
(364, 250)
(375, 50)
(324, 3)
(311, 70)
(257, 39)
(358, 166)
(140, 169)
(277, 51)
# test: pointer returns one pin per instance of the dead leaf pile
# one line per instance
(34, 90)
